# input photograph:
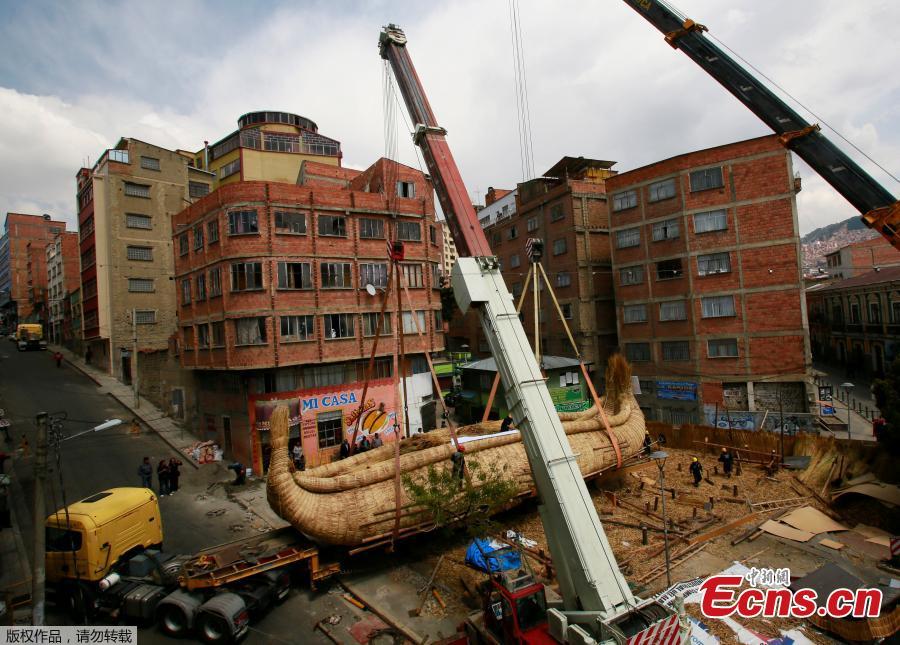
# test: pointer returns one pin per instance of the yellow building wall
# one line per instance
(222, 161)
(278, 166)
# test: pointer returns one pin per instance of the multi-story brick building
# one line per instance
(273, 306)
(861, 257)
(567, 209)
(707, 268)
(23, 281)
(63, 278)
(126, 202)
(855, 322)
(449, 254)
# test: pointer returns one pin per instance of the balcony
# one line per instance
(307, 143)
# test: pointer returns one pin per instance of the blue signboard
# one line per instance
(827, 409)
(676, 390)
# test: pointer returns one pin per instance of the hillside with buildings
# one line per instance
(826, 239)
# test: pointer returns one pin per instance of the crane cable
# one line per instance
(523, 112)
(759, 72)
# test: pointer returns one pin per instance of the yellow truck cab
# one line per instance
(100, 529)
(30, 336)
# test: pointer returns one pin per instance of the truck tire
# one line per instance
(213, 629)
(173, 622)
(80, 601)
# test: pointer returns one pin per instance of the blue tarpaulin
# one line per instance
(479, 555)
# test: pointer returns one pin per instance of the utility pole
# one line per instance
(781, 420)
(134, 359)
(38, 566)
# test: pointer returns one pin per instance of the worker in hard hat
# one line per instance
(727, 460)
(696, 471)
(459, 463)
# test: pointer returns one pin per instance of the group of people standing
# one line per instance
(362, 445)
(167, 474)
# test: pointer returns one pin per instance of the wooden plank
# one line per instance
(711, 535)
(394, 622)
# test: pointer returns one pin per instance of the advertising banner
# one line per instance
(676, 390)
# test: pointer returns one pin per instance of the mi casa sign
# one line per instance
(327, 401)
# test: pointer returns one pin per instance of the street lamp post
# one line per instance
(847, 388)
(660, 457)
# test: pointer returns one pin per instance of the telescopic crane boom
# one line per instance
(595, 594)
(880, 210)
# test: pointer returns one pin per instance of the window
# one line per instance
(722, 348)
(145, 316)
(246, 276)
(706, 179)
(63, 540)
(634, 314)
(432, 234)
(332, 225)
(566, 311)
(242, 222)
(369, 322)
(676, 350)
(628, 237)
(335, 275)
(338, 325)
(203, 336)
(290, 222)
(140, 285)
(409, 231)
(495, 239)
(406, 189)
(374, 274)
(137, 190)
(297, 328)
(412, 275)
(198, 237)
(294, 275)
(673, 310)
(409, 325)
(144, 253)
(661, 190)
(895, 312)
(631, 275)
(636, 352)
(516, 289)
(713, 263)
(197, 189)
(138, 221)
(215, 282)
(120, 156)
(854, 313)
(371, 229)
(710, 221)
(250, 331)
(184, 244)
(185, 292)
(556, 212)
(531, 224)
(218, 333)
(438, 320)
(669, 269)
(230, 168)
(874, 312)
(559, 246)
(149, 163)
(86, 228)
(513, 232)
(88, 258)
(624, 200)
(330, 429)
(514, 261)
(212, 231)
(435, 276)
(717, 306)
(666, 230)
(201, 286)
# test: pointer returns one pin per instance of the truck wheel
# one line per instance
(81, 602)
(172, 621)
(213, 629)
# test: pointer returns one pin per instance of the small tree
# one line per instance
(887, 397)
(470, 502)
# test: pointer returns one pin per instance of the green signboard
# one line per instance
(568, 399)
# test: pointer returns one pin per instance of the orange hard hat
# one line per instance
(461, 448)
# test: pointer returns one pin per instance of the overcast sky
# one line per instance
(76, 76)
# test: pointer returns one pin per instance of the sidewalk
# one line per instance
(860, 425)
(170, 431)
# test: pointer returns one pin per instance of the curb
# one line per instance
(16, 505)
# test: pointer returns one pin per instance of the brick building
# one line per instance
(707, 267)
(63, 278)
(861, 257)
(855, 323)
(23, 279)
(126, 202)
(567, 209)
(272, 303)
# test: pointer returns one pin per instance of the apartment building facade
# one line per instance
(63, 278)
(707, 268)
(126, 203)
(273, 304)
(450, 255)
(861, 257)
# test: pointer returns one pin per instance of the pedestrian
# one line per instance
(507, 424)
(364, 444)
(376, 441)
(727, 460)
(145, 472)
(135, 426)
(459, 464)
(87, 356)
(240, 473)
(878, 426)
(58, 357)
(174, 474)
(661, 440)
(648, 443)
(297, 454)
(345, 449)
(772, 467)
(696, 471)
(162, 474)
